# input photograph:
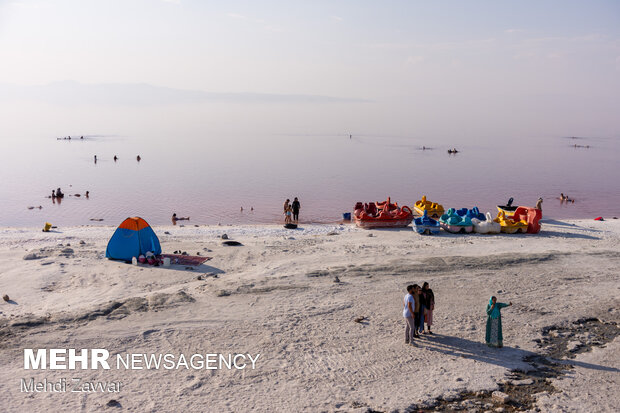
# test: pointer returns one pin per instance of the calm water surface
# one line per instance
(210, 176)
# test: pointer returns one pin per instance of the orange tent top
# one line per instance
(134, 223)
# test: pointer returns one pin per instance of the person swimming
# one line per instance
(175, 218)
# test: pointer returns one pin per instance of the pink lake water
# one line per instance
(209, 173)
(328, 173)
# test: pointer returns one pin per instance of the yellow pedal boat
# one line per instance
(510, 226)
(433, 209)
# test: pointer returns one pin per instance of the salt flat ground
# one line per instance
(276, 296)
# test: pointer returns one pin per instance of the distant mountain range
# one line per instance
(70, 92)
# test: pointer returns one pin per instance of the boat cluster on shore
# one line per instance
(430, 217)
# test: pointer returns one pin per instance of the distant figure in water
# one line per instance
(53, 193)
(81, 137)
(175, 218)
(423, 148)
(115, 158)
(95, 158)
(241, 209)
(69, 138)
(59, 193)
(565, 198)
(252, 209)
(350, 136)
(138, 158)
(87, 194)
(453, 150)
(539, 204)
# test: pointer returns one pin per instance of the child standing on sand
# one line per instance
(288, 212)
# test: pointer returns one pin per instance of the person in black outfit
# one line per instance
(296, 206)
(429, 306)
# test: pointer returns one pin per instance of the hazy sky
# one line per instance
(554, 65)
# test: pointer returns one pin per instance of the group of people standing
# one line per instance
(291, 211)
(418, 309)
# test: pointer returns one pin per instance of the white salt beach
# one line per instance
(276, 296)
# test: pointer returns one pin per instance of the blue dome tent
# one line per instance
(133, 237)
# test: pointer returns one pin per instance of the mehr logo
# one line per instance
(58, 358)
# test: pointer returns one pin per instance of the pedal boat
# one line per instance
(452, 222)
(425, 225)
(486, 227)
(369, 216)
(510, 226)
(433, 209)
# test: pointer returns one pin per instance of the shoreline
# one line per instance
(269, 220)
(189, 224)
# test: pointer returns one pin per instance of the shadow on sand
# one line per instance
(202, 268)
(408, 228)
(544, 233)
(507, 357)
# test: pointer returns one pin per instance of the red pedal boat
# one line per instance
(371, 215)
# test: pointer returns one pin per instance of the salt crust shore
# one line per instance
(276, 296)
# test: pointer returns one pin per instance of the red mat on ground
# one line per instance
(186, 259)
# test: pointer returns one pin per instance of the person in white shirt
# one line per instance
(408, 310)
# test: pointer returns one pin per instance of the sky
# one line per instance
(475, 68)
